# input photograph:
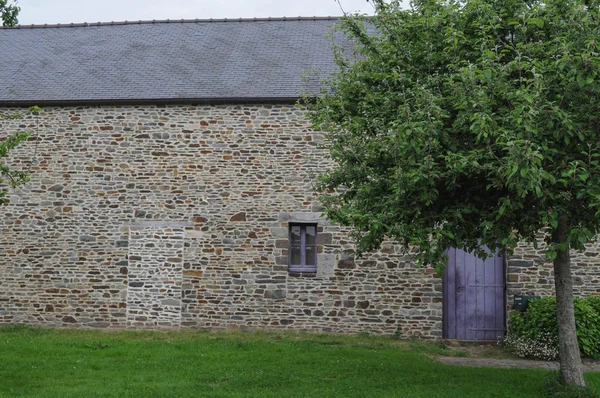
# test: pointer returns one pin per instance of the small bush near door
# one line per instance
(534, 333)
(544, 347)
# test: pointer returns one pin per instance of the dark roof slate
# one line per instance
(170, 61)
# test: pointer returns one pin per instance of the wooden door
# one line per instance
(474, 297)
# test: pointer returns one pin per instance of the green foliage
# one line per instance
(10, 178)
(9, 13)
(539, 317)
(540, 320)
(459, 123)
(594, 301)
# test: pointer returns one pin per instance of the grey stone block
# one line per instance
(324, 238)
(98, 324)
(87, 238)
(520, 263)
(282, 244)
(275, 294)
(280, 232)
(282, 260)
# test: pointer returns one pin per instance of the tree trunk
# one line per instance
(571, 370)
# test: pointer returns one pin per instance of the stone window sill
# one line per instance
(302, 274)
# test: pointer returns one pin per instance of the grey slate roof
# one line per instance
(208, 61)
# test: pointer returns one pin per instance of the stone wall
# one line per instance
(530, 272)
(177, 216)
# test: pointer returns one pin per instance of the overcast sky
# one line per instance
(66, 11)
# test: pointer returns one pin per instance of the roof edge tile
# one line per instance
(170, 21)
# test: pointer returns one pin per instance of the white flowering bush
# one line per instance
(544, 346)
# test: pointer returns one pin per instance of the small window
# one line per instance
(303, 248)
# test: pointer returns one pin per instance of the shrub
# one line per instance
(529, 331)
(594, 301)
(543, 347)
(587, 320)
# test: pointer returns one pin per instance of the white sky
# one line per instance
(66, 11)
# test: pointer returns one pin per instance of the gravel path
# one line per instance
(588, 366)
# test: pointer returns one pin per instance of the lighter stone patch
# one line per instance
(154, 279)
(193, 234)
(326, 264)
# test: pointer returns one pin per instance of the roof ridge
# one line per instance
(161, 21)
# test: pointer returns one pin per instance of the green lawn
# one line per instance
(67, 363)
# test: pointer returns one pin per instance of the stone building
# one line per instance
(172, 187)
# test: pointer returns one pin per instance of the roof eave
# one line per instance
(174, 21)
(151, 101)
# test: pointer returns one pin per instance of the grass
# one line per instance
(477, 350)
(70, 363)
(554, 389)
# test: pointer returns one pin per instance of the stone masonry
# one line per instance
(530, 272)
(177, 216)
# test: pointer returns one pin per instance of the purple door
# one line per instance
(474, 307)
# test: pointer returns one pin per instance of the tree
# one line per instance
(13, 178)
(9, 13)
(469, 123)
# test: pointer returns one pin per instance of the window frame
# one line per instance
(302, 267)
